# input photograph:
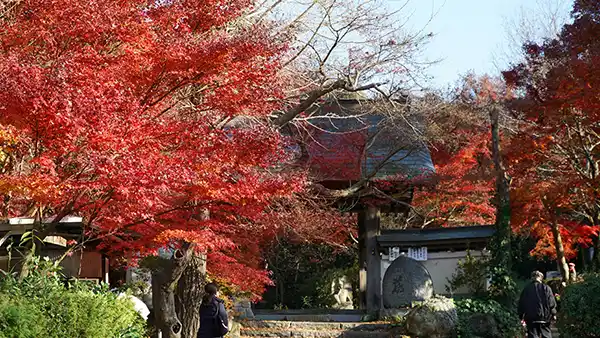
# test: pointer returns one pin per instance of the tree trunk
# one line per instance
(560, 253)
(501, 251)
(502, 191)
(165, 275)
(189, 295)
(595, 263)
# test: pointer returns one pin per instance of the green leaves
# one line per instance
(579, 310)
(41, 305)
(471, 273)
(501, 322)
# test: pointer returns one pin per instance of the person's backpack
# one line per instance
(219, 328)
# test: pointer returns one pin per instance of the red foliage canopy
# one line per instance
(113, 109)
(465, 186)
(461, 151)
(555, 158)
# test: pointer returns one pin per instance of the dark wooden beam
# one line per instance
(373, 260)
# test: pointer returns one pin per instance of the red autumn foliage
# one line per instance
(535, 206)
(111, 110)
(321, 221)
(554, 160)
(461, 151)
(462, 195)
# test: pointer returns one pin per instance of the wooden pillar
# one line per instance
(373, 261)
(370, 275)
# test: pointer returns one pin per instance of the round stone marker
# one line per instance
(406, 281)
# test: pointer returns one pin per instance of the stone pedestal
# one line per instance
(434, 318)
(234, 329)
(243, 309)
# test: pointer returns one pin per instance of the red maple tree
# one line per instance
(555, 159)
(459, 136)
(464, 186)
(117, 111)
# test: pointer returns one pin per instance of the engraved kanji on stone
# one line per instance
(398, 285)
(405, 281)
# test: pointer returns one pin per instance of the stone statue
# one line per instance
(572, 273)
(341, 289)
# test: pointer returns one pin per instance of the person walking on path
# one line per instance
(213, 316)
(537, 307)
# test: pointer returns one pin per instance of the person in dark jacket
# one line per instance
(537, 307)
(213, 316)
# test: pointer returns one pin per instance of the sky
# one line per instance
(468, 34)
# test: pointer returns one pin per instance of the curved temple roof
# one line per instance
(348, 140)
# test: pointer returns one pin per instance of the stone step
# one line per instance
(325, 315)
(310, 317)
(315, 334)
(362, 326)
(284, 329)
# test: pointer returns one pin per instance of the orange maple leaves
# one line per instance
(114, 110)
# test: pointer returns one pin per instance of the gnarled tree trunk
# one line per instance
(165, 276)
(189, 295)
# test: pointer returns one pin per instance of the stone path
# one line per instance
(289, 329)
(284, 329)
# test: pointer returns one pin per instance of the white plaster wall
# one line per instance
(441, 267)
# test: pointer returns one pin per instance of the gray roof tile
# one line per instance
(337, 143)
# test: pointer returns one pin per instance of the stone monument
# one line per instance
(406, 281)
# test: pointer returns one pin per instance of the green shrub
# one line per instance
(471, 273)
(82, 313)
(579, 309)
(20, 319)
(43, 302)
(489, 315)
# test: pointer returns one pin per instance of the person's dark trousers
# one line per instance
(539, 330)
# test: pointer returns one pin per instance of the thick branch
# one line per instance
(314, 95)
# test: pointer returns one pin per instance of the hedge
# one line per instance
(43, 304)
